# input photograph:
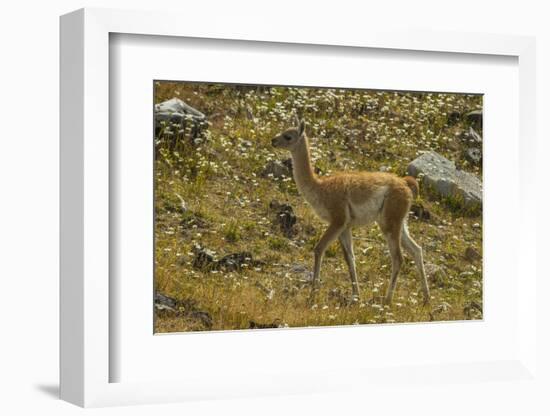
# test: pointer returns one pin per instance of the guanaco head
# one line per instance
(289, 138)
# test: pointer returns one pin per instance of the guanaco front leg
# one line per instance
(332, 232)
(347, 246)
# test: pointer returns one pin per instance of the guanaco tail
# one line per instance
(350, 199)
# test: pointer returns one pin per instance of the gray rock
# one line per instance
(476, 118)
(186, 309)
(177, 116)
(473, 310)
(288, 164)
(454, 117)
(176, 111)
(165, 303)
(304, 272)
(472, 137)
(473, 156)
(420, 211)
(235, 261)
(472, 255)
(276, 169)
(285, 218)
(259, 325)
(441, 175)
(204, 259)
(436, 274)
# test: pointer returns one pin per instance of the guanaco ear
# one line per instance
(302, 127)
(296, 120)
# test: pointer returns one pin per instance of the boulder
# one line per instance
(177, 115)
(441, 175)
(176, 111)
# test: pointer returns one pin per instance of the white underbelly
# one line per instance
(321, 212)
(363, 217)
(368, 211)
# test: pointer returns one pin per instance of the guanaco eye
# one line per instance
(288, 137)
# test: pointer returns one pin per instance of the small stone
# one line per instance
(192, 220)
(235, 261)
(259, 325)
(163, 302)
(476, 118)
(473, 156)
(472, 137)
(166, 306)
(288, 163)
(473, 310)
(336, 296)
(420, 211)
(436, 274)
(302, 270)
(202, 316)
(204, 259)
(285, 218)
(471, 254)
(453, 117)
(442, 307)
(276, 169)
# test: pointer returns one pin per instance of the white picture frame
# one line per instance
(85, 221)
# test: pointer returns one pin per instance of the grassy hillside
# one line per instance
(232, 205)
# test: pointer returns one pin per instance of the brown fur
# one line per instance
(413, 184)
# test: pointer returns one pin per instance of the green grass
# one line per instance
(228, 209)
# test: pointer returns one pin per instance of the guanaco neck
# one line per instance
(305, 177)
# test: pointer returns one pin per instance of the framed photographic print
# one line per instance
(282, 213)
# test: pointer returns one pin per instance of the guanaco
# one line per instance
(349, 199)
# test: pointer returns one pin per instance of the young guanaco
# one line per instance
(350, 199)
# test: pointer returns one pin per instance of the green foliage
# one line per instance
(232, 233)
(277, 243)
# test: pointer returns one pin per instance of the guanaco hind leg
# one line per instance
(416, 252)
